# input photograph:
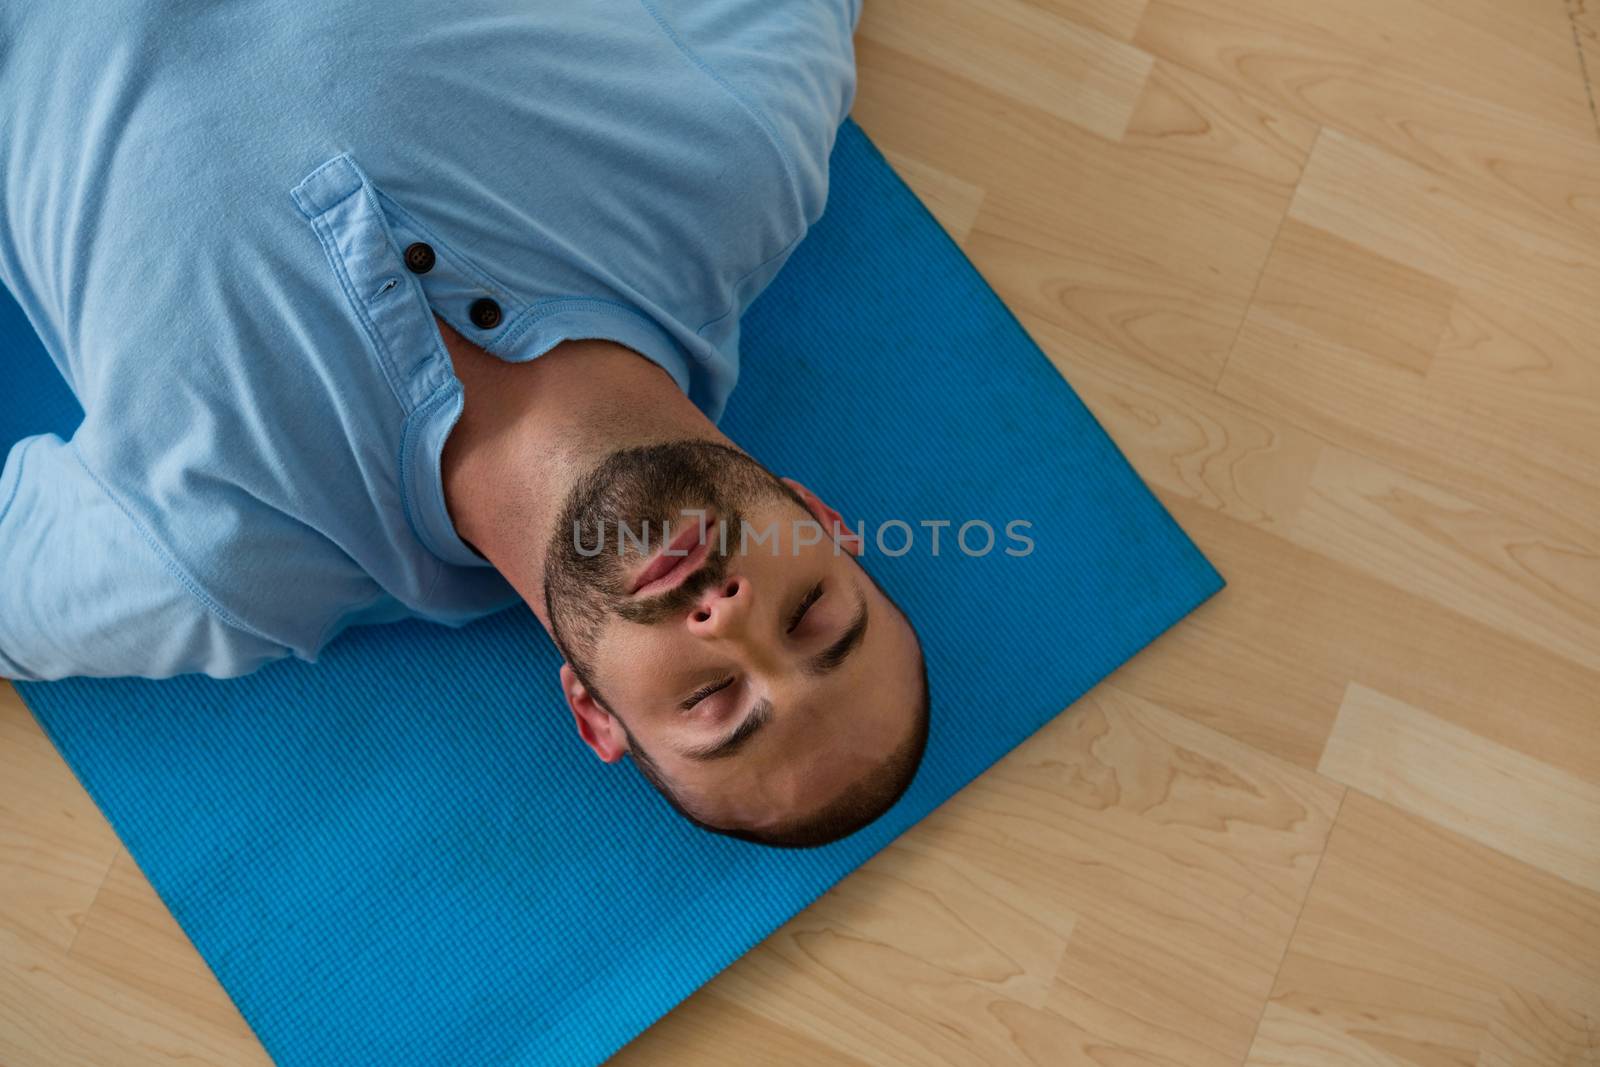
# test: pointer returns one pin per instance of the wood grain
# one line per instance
(1377, 407)
(1327, 271)
(1420, 947)
(1452, 550)
(55, 849)
(1404, 211)
(1019, 50)
(1495, 795)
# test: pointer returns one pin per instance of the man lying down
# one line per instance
(393, 310)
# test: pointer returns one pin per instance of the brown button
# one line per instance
(419, 258)
(485, 313)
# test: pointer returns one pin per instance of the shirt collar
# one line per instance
(430, 424)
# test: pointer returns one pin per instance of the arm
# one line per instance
(82, 592)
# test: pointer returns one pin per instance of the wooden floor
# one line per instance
(1329, 272)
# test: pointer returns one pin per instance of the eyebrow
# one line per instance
(831, 658)
(759, 716)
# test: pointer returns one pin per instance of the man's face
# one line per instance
(752, 659)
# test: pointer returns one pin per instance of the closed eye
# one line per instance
(704, 691)
(804, 606)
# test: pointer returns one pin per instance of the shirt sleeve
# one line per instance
(83, 591)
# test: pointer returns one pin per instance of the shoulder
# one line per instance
(791, 62)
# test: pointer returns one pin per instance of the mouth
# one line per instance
(673, 563)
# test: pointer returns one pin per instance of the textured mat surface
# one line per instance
(404, 855)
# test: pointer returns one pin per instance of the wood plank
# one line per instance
(1393, 415)
(1022, 51)
(1187, 439)
(1115, 18)
(1412, 215)
(1503, 572)
(1494, 795)
(1330, 613)
(1185, 210)
(1521, 1030)
(1151, 247)
(1230, 146)
(1418, 946)
(130, 938)
(1586, 35)
(1534, 369)
(1530, 1031)
(55, 849)
(1187, 858)
(1436, 83)
(1268, 660)
(59, 1011)
(1324, 286)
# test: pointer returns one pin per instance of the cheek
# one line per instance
(638, 666)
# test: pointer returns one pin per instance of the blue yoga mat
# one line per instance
(404, 855)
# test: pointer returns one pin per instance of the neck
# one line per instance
(528, 431)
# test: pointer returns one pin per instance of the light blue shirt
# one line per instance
(207, 212)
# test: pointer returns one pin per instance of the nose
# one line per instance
(722, 609)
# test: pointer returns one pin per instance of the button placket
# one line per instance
(451, 292)
(342, 207)
(456, 291)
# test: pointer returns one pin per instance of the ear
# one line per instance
(832, 524)
(598, 728)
